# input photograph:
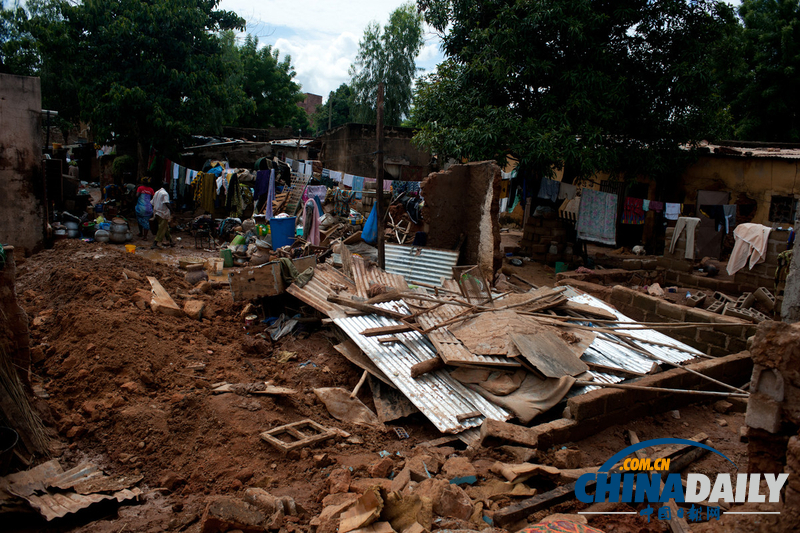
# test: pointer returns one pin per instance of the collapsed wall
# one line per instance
(462, 203)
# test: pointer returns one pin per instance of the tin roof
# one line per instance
(421, 264)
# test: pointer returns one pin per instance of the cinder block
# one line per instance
(724, 298)
(645, 303)
(649, 264)
(670, 311)
(769, 382)
(696, 299)
(712, 337)
(745, 301)
(757, 315)
(716, 307)
(632, 264)
(765, 297)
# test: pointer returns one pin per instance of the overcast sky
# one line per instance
(322, 35)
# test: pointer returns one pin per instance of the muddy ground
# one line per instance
(120, 385)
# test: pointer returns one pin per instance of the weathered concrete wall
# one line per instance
(464, 200)
(790, 310)
(351, 149)
(22, 215)
(758, 178)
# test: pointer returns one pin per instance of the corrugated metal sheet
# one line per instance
(450, 349)
(315, 292)
(438, 396)
(420, 264)
(32, 484)
(366, 275)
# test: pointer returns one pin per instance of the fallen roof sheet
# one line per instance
(440, 398)
(32, 485)
(419, 264)
(365, 275)
(315, 293)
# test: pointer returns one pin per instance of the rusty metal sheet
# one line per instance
(327, 280)
(32, 485)
(450, 349)
(87, 478)
(421, 264)
(366, 274)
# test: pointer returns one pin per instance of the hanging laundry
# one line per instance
(262, 183)
(750, 242)
(336, 176)
(348, 180)
(597, 217)
(690, 224)
(311, 222)
(549, 189)
(270, 194)
(204, 191)
(358, 186)
(672, 211)
(341, 203)
(729, 212)
(646, 205)
(567, 191)
(633, 212)
(656, 206)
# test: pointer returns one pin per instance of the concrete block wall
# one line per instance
(539, 234)
(716, 342)
(594, 411)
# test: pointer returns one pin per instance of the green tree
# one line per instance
(269, 84)
(337, 110)
(603, 85)
(766, 107)
(387, 55)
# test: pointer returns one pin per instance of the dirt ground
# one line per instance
(123, 386)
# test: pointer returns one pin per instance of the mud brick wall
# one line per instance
(539, 234)
(463, 202)
(716, 342)
(605, 407)
(773, 412)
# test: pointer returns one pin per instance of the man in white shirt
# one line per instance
(162, 214)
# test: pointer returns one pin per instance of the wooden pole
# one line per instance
(379, 199)
(660, 389)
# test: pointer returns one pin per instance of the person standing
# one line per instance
(162, 214)
(144, 207)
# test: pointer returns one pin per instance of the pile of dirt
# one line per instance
(133, 387)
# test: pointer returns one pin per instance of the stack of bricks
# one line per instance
(714, 341)
(540, 233)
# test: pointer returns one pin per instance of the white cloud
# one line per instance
(321, 36)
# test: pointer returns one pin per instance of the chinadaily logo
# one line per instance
(637, 479)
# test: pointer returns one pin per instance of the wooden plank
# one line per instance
(549, 354)
(161, 301)
(366, 307)
(387, 330)
(429, 365)
(521, 510)
(304, 433)
(589, 310)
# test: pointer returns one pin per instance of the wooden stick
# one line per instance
(523, 281)
(359, 384)
(660, 389)
(429, 365)
(366, 307)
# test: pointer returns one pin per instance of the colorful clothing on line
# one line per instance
(672, 211)
(597, 217)
(341, 203)
(549, 189)
(656, 206)
(633, 212)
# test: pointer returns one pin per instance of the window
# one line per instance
(782, 209)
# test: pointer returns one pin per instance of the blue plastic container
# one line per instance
(282, 231)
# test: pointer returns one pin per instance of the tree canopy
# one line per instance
(337, 109)
(154, 72)
(597, 85)
(765, 104)
(387, 55)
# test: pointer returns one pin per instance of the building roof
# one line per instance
(752, 149)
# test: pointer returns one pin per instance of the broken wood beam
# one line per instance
(660, 389)
(359, 384)
(161, 301)
(387, 330)
(366, 308)
(429, 365)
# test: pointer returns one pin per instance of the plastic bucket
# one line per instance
(130, 248)
(214, 266)
(560, 267)
(8, 439)
(282, 231)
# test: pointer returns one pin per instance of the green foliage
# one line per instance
(604, 85)
(269, 86)
(766, 107)
(387, 55)
(122, 164)
(338, 107)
